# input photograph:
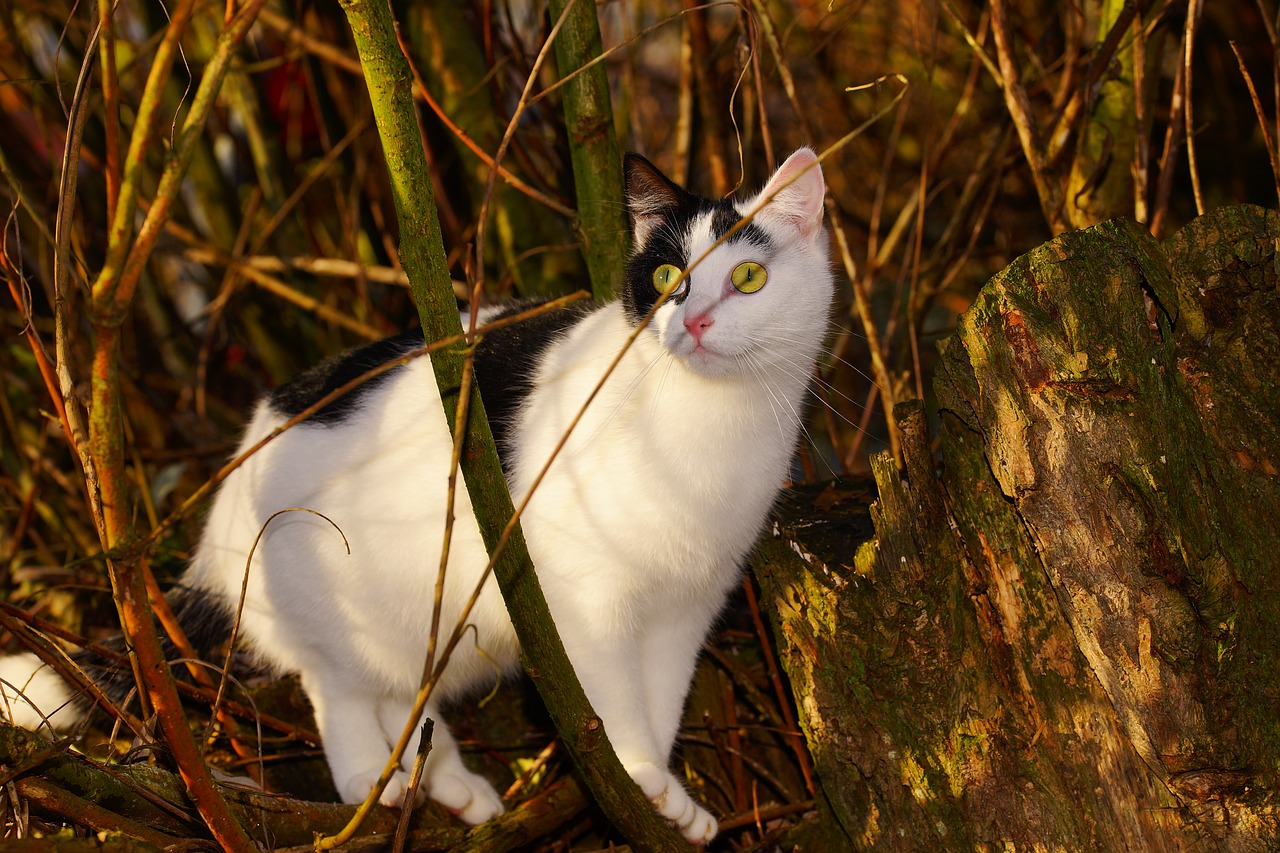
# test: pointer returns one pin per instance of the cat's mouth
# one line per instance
(706, 359)
(701, 355)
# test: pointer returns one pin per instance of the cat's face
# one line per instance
(761, 296)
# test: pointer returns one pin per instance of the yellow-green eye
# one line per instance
(665, 278)
(748, 277)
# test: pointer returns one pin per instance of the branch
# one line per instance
(423, 258)
(1019, 106)
(112, 295)
(593, 147)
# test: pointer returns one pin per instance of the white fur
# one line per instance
(33, 696)
(638, 532)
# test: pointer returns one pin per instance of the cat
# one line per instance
(638, 532)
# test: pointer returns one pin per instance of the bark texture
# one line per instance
(1070, 638)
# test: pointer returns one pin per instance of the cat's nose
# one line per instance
(697, 325)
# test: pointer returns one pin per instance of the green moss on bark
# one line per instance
(1069, 641)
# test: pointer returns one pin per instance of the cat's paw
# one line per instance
(357, 787)
(393, 795)
(674, 803)
(465, 794)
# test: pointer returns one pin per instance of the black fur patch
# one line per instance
(667, 245)
(725, 216)
(507, 358)
(505, 362)
(207, 624)
(299, 394)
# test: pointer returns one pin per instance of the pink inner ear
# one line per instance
(799, 202)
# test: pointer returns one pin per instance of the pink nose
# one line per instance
(697, 325)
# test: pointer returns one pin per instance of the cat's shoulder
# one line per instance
(311, 386)
(506, 359)
(511, 349)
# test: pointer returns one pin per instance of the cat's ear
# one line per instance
(650, 196)
(798, 190)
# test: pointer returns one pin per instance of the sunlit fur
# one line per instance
(638, 532)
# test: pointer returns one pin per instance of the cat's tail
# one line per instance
(35, 697)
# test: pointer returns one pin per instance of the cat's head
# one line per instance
(762, 295)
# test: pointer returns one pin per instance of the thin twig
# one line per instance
(61, 663)
(1169, 153)
(110, 101)
(862, 301)
(1084, 97)
(1142, 139)
(1019, 107)
(974, 43)
(63, 291)
(1193, 17)
(112, 656)
(1262, 121)
(486, 199)
(135, 159)
(111, 295)
(244, 590)
(796, 742)
(199, 495)
(59, 801)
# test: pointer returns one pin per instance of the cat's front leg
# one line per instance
(356, 727)
(445, 778)
(610, 672)
(673, 801)
(354, 744)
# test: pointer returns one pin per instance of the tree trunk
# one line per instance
(1070, 639)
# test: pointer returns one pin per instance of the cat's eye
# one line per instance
(748, 277)
(666, 278)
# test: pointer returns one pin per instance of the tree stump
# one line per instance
(1070, 638)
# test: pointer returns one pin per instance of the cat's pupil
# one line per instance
(749, 277)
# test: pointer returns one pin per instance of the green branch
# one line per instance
(422, 253)
(593, 147)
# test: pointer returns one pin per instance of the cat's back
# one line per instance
(393, 407)
(344, 572)
(381, 449)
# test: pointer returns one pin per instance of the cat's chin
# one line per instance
(709, 363)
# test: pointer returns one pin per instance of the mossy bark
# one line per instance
(1069, 638)
(593, 148)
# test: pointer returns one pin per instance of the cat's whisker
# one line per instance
(829, 356)
(820, 384)
(839, 328)
(748, 359)
(804, 430)
(655, 409)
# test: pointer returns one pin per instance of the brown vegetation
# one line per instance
(174, 249)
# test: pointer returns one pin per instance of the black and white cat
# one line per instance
(638, 532)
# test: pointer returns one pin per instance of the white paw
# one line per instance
(393, 794)
(465, 794)
(674, 803)
(357, 787)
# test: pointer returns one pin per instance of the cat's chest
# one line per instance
(660, 464)
(649, 413)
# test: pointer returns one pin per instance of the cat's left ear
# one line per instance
(651, 196)
(799, 195)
